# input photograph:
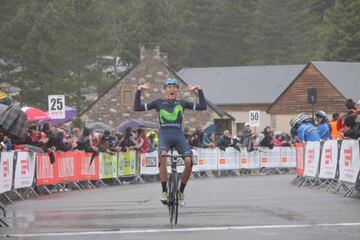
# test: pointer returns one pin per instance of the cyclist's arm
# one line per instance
(196, 106)
(138, 106)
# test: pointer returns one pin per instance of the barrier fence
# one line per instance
(329, 165)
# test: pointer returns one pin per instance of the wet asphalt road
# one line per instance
(246, 207)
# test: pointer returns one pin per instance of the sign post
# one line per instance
(254, 118)
(56, 105)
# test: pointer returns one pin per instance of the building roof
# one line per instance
(215, 108)
(242, 85)
(344, 76)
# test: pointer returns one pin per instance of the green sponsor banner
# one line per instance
(108, 166)
(127, 163)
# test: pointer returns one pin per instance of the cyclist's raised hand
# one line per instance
(144, 86)
(194, 88)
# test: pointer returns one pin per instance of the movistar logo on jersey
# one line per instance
(166, 116)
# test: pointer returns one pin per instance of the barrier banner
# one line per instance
(299, 148)
(45, 171)
(195, 160)
(67, 166)
(85, 170)
(228, 159)
(107, 165)
(207, 159)
(25, 169)
(149, 163)
(349, 164)
(253, 158)
(127, 163)
(6, 171)
(329, 160)
(270, 158)
(312, 158)
(287, 157)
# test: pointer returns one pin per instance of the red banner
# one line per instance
(299, 159)
(68, 167)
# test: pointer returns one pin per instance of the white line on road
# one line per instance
(171, 230)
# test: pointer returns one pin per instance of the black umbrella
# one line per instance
(135, 124)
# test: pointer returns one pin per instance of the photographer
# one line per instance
(197, 138)
(107, 142)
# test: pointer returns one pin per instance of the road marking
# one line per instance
(171, 230)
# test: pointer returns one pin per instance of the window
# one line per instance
(240, 126)
(127, 97)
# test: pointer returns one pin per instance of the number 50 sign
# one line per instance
(56, 105)
(254, 118)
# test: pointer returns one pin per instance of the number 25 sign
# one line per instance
(56, 104)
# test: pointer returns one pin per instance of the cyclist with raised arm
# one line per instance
(170, 112)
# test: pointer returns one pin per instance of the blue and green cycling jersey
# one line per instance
(170, 112)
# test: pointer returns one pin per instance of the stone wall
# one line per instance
(151, 69)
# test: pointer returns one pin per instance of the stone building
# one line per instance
(115, 105)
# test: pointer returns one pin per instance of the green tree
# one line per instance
(342, 32)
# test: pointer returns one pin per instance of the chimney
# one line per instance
(151, 51)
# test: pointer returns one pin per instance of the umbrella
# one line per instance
(14, 121)
(70, 114)
(35, 114)
(99, 126)
(3, 108)
(210, 129)
(134, 124)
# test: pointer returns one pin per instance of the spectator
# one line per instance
(142, 141)
(247, 136)
(303, 129)
(187, 135)
(57, 141)
(277, 141)
(107, 142)
(350, 130)
(129, 140)
(239, 139)
(265, 138)
(197, 138)
(85, 143)
(335, 133)
(5, 142)
(322, 125)
(226, 141)
(209, 141)
(285, 140)
(153, 138)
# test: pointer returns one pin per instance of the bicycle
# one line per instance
(173, 188)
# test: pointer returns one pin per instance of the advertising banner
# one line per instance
(149, 163)
(270, 158)
(127, 163)
(25, 169)
(312, 158)
(107, 165)
(207, 159)
(6, 171)
(299, 148)
(329, 160)
(228, 159)
(46, 173)
(349, 165)
(67, 166)
(85, 170)
(288, 157)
